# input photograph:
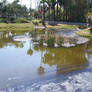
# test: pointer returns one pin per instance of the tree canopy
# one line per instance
(12, 10)
(73, 10)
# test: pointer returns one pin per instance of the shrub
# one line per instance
(2, 20)
(40, 21)
(20, 20)
(51, 41)
(83, 26)
(33, 33)
(30, 19)
(60, 40)
(73, 40)
(35, 22)
(41, 41)
(90, 30)
(11, 20)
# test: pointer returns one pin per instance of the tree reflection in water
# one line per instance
(65, 59)
(6, 40)
(30, 51)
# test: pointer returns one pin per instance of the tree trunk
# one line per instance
(49, 9)
(43, 12)
(57, 11)
(54, 13)
(49, 12)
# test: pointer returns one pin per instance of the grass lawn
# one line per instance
(16, 27)
(30, 26)
(85, 33)
(63, 26)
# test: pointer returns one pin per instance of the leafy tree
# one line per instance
(73, 10)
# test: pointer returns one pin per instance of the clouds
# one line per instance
(28, 3)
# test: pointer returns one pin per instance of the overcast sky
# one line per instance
(27, 2)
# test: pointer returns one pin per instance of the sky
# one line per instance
(27, 3)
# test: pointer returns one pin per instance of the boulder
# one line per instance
(67, 45)
(45, 44)
(56, 45)
(82, 40)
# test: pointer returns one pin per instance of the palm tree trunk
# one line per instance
(49, 11)
(57, 11)
(54, 13)
(43, 12)
(60, 13)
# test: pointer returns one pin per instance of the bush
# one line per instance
(83, 26)
(90, 30)
(30, 19)
(3, 21)
(20, 20)
(41, 41)
(40, 21)
(51, 41)
(60, 40)
(34, 33)
(35, 22)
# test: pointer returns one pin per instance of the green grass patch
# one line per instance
(16, 27)
(85, 33)
(51, 41)
(63, 26)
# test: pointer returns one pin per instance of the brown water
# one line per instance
(25, 67)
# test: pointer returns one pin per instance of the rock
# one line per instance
(56, 45)
(45, 44)
(38, 38)
(72, 45)
(36, 43)
(21, 38)
(39, 27)
(82, 40)
(67, 45)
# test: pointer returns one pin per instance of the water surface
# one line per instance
(26, 67)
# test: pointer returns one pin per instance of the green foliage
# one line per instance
(83, 26)
(30, 19)
(20, 20)
(76, 11)
(35, 22)
(30, 52)
(16, 27)
(91, 30)
(60, 41)
(51, 41)
(73, 10)
(41, 41)
(2, 20)
(33, 33)
(12, 10)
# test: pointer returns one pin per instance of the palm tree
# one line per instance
(51, 4)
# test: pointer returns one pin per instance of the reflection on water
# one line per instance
(21, 61)
(65, 60)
